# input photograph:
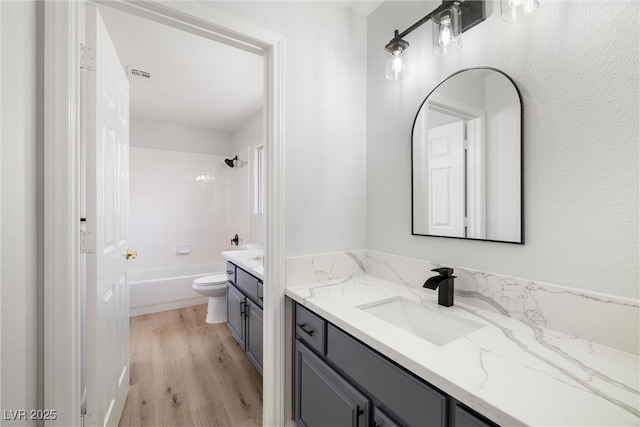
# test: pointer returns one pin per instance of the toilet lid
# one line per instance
(212, 279)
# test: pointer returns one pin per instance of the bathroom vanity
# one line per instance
(332, 369)
(244, 302)
(484, 369)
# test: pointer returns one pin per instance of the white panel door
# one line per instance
(107, 139)
(446, 180)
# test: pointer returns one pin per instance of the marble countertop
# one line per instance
(512, 372)
(251, 261)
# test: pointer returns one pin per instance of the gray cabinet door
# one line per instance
(254, 334)
(236, 306)
(322, 397)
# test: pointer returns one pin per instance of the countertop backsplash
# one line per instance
(604, 319)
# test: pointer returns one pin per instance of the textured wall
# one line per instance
(576, 64)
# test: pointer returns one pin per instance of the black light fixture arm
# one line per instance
(472, 14)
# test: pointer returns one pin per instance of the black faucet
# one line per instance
(444, 283)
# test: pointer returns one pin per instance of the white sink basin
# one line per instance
(430, 324)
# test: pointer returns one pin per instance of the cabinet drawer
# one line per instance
(231, 272)
(247, 284)
(465, 418)
(310, 328)
(260, 293)
(410, 401)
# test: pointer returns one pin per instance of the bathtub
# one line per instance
(160, 289)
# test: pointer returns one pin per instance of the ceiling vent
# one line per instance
(133, 72)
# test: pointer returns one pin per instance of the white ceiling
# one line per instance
(194, 81)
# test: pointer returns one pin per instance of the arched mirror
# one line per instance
(467, 179)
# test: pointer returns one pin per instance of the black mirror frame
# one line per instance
(522, 193)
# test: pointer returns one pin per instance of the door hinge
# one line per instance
(87, 57)
(87, 242)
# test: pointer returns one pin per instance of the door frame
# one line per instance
(63, 124)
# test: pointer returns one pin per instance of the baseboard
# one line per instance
(171, 305)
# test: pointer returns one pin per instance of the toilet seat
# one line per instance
(210, 281)
(213, 286)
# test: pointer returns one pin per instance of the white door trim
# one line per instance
(64, 31)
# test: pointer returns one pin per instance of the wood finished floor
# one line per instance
(185, 372)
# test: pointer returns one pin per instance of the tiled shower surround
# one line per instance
(604, 319)
(179, 198)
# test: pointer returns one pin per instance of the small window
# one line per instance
(258, 181)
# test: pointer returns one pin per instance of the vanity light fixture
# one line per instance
(512, 10)
(450, 20)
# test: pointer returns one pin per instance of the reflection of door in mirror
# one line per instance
(456, 170)
(466, 152)
(444, 163)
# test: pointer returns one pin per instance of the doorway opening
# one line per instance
(168, 190)
(64, 119)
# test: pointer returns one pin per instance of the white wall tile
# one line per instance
(185, 198)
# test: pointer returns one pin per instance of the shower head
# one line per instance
(229, 162)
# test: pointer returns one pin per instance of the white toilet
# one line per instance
(214, 287)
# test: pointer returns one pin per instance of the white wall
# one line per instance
(325, 101)
(579, 81)
(21, 208)
(172, 136)
(237, 205)
(245, 140)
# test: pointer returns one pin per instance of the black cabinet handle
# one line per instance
(242, 304)
(303, 326)
(359, 413)
(229, 271)
(261, 299)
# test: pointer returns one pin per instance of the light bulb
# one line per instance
(396, 62)
(445, 32)
(396, 65)
(513, 10)
(529, 7)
